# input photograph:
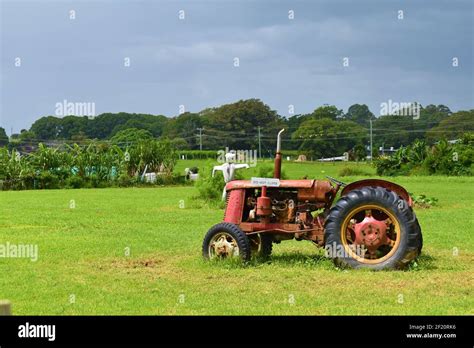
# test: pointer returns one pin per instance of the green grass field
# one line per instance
(293, 169)
(83, 257)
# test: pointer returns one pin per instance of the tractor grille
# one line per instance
(227, 197)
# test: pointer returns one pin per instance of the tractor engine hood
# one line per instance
(308, 190)
(246, 184)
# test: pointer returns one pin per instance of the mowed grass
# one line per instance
(83, 256)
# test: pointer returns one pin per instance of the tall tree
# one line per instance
(452, 127)
(327, 111)
(432, 115)
(48, 127)
(236, 125)
(73, 125)
(360, 114)
(392, 131)
(326, 137)
(3, 137)
(185, 127)
(131, 136)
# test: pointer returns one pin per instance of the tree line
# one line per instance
(250, 124)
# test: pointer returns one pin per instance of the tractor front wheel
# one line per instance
(226, 240)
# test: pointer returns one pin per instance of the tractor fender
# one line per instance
(399, 190)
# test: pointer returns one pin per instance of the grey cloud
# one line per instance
(190, 62)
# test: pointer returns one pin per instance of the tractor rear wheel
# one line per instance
(374, 228)
(226, 240)
(419, 238)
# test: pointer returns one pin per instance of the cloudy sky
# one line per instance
(191, 61)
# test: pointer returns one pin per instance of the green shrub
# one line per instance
(210, 188)
(179, 179)
(94, 165)
(442, 158)
(167, 179)
(74, 182)
(421, 201)
(47, 180)
(388, 166)
(198, 154)
(266, 171)
(124, 180)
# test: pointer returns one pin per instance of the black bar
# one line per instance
(367, 330)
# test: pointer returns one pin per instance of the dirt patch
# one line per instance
(137, 263)
(152, 267)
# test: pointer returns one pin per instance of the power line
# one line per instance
(332, 136)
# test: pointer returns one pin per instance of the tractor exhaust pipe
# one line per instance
(277, 169)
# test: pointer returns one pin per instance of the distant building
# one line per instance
(387, 151)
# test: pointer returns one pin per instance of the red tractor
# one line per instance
(372, 225)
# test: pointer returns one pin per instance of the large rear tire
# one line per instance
(374, 228)
(419, 238)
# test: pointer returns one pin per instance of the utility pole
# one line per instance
(370, 140)
(259, 144)
(200, 138)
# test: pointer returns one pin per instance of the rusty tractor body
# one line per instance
(372, 225)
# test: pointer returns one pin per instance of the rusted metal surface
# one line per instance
(318, 192)
(277, 168)
(264, 204)
(284, 184)
(235, 206)
(399, 190)
(371, 233)
(308, 190)
(311, 195)
(283, 216)
(249, 227)
(315, 233)
(223, 245)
